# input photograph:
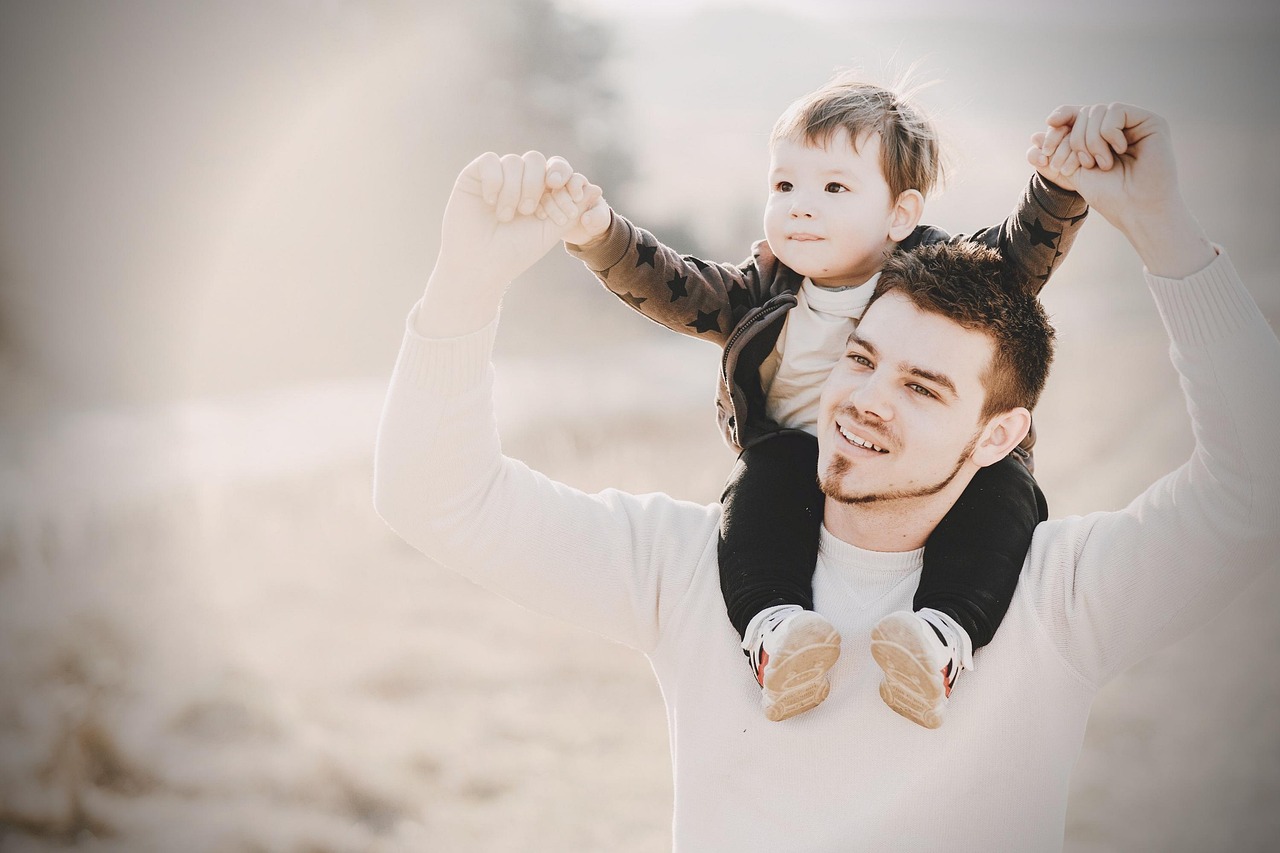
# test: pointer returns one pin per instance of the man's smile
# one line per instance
(858, 441)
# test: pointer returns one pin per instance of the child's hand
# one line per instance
(1077, 138)
(1059, 163)
(1094, 133)
(587, 198)
(593, 222)
(578, 207)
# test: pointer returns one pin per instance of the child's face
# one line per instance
(829, 209)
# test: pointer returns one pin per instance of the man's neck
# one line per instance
(889, 525)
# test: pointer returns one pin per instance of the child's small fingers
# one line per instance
(1071, 165)
(1052, 138)
(576, 185)
(1059, 155)
(564, 207)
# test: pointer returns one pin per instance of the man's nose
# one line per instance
(872, 399)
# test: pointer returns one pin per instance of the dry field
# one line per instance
(221, 647)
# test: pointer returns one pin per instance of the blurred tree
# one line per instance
(543, 82)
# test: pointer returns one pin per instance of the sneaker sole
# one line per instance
(909, 687)
(783, 706)
(796, 678)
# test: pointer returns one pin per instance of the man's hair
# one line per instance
(964, 282)
(908, 142)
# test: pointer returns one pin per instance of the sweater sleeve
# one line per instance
(614, 563)
(1032, 241)
(686, 294)
(1118, 586)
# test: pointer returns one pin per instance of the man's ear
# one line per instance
(905, 215)
(1000, 436)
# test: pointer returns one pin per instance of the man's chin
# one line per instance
(833, 486)
(834, 489)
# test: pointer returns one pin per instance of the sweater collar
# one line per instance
(842, 555)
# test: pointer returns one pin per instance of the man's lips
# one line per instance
(804, 238)
(859, 441)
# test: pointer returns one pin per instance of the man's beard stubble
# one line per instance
(830, 480)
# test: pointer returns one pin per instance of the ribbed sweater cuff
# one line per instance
(1206, 306)
(446, 366)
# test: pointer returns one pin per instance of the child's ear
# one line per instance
(906, 214)
(1001, 435)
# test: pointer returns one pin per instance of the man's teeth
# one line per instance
(853, 439)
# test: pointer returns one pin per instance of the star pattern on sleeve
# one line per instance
(644, 254)
(633, 300)
(706, 321)
(677, 286)
(690, 259)
(1041, 236)
(739, 298)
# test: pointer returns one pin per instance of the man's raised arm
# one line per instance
(612, 563)
(1138, 579)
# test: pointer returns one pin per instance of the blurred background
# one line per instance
(213, 220)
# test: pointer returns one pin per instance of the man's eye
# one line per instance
(782, 186)
(833, 187)
(921, 390)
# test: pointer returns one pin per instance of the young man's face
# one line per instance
(900, 413)
(829, 209)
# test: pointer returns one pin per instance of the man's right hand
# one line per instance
(1120, 158)
(494, 230)
(491, 232)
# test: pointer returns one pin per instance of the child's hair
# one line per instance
(964, 283)
(909, 154)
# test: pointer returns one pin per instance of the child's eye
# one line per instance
(782, 186)
(833, 187)
(921, 390)
(860, 360)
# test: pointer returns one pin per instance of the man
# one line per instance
(1097, 593)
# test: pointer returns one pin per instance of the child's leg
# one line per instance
(769, 530)
(971, 566)
(974, 556)
(768, 549)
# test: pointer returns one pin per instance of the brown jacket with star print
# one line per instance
(742, 307)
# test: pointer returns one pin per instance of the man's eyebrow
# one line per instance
(862, 342)
(939, 379)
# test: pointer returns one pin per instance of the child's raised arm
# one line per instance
(683, 293)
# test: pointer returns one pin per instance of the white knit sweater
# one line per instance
(1097, 593)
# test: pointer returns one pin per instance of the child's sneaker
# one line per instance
(790, 653)
(921, 655)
